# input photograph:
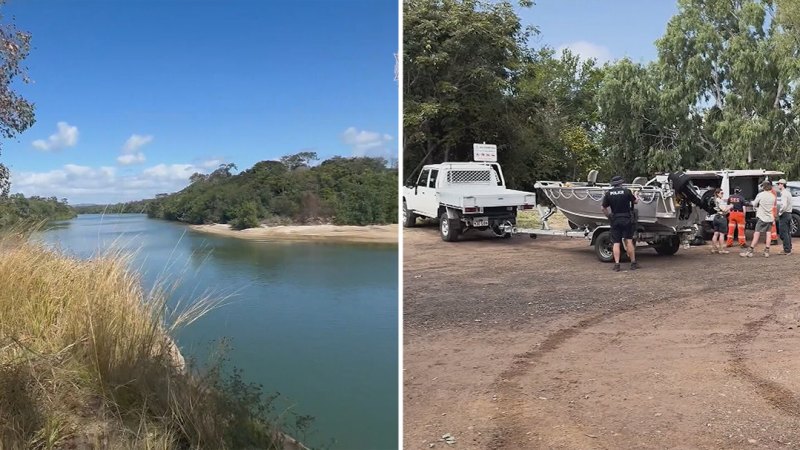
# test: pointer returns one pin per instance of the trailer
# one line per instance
(666, 241)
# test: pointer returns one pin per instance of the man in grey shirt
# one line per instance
(764, 203)
(785, 217)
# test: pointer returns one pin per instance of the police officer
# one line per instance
(621, 201)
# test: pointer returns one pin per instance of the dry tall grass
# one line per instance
(86, 360)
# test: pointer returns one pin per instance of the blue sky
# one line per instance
(132, 97)
(602, 29)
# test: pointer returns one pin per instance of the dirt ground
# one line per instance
(526, 343)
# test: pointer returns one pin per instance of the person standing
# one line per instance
(785, 217)
(764, 204)
(736, 218)
(621, 201)
(720, 223)
(773, 232)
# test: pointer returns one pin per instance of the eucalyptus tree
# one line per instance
(460, 58)
(726, 87)
(16, 113)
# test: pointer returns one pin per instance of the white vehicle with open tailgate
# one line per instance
(464, 196)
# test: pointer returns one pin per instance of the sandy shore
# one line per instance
(377, 234)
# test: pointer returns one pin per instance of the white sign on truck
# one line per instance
(485, 152)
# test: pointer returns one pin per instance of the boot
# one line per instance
(748, 253)
(766, 252)
(634, 265)
(714, 249)
(616, 267)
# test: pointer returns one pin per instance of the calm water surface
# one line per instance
(315, 322)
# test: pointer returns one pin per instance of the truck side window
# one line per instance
(434, 174)
(423, 178)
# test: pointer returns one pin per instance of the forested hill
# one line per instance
(343, 191)
(17, 208)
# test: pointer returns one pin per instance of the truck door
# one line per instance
(429, 201)
(415, 201)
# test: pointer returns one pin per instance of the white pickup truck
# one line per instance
(464, 196)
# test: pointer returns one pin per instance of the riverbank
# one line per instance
(87, 356)
(372, 234)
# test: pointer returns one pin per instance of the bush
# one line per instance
(246, 217)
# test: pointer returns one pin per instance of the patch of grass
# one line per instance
(530, 219)
(86, 360)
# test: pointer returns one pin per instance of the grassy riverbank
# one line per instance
(86, 360)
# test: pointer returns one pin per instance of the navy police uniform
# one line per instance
(620, 200)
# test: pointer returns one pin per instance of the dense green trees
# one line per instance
(721, 93)
(17, 208)
(134, 207)
(345, 191)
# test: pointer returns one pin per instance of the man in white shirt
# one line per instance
(785, 217)
(764, 203)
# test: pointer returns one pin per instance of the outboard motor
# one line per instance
(681, 184)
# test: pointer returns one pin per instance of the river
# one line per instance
(315, 322)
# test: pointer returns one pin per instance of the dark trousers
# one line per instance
(785, 231)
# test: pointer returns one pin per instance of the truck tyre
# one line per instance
(603, 247)
(795, 225)
(449, 228)
(409, 218)
(668, 247)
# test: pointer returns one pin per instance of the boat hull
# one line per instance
(582, 205)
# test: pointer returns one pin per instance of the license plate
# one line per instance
(480, 222)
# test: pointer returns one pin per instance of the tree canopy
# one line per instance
(16, 113)
(720, 94)
(344, 191)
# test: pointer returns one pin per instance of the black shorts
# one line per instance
(720, 224)
(621, 228)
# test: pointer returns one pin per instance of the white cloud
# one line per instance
(587, 50)
(128, 159)
(211, 163)
(367, 143)
(84, 184)
(135, 142)
(171, 172)
(66, 136)
(130, 151)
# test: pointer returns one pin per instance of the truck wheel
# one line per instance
(449, 228)
(669, 246)
(409, 218)
(603, 247)
(795, 225)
